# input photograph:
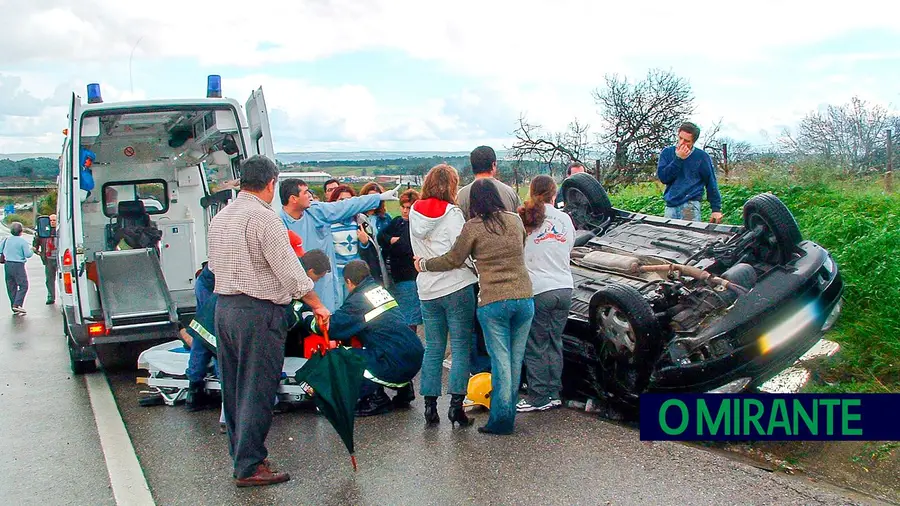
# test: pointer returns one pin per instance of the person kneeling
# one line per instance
(392, 351)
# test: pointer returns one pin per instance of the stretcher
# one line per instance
(168, 384)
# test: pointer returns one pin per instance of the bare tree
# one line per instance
(533, 143)
(641, 117)
(852, 134)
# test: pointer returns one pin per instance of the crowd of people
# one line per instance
(474, 266)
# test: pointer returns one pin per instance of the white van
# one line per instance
(157, 165)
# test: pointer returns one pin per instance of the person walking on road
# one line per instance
(257, 276)
(686, 172)
(551, 237)
(46, 249)
(15, 251)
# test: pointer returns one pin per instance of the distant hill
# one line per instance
(354, 156)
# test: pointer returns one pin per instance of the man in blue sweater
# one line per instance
(686, 172)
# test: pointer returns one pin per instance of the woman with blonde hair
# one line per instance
(551, 237)
(448, 298)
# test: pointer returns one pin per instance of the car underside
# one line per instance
(671, 305)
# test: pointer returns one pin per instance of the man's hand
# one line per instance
(682, 151)
(391, 194)
(394, 240)
(323, 316)
(715, 217)
(416, 261)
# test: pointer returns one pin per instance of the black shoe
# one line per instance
(485, 430)
(374, 404)
(197, 398)
(431, 414)
(50, 301)
(405, 396)
(456, 413)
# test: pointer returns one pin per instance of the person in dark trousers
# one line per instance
(200, 355)
(686, 172)
(46, 249)
(397, 246)
(392, 351)
(16, 251)
(257, 276)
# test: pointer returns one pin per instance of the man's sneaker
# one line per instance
(554, 402)
(525, 406)
(19, 310)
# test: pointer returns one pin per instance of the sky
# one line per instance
(402, 75)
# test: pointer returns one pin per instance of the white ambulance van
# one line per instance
(139, 183)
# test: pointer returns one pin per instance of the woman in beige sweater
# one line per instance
(495, 239)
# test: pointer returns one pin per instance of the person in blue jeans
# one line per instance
(495, 238)
(447, 298)
(198, 362)
(686, 172)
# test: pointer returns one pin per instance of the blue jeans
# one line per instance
(506, 324)
(689, 211)
(407, 295)
(198, 362)
(451, 313)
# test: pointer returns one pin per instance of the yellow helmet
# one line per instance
(479, 390)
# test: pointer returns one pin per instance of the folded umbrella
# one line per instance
(336, 376)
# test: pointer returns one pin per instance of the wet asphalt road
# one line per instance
(51, 452)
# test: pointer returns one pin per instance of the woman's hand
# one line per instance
(394, 240)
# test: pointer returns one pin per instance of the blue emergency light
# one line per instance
(93, 94)
(214, 86)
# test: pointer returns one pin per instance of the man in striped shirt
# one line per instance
(257, 276)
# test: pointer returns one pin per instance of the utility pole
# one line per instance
(889, 177)
(725, 158)
(597, 169)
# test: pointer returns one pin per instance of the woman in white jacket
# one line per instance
(551, 237)
(448, 298)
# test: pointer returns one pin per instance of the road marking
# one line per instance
(125, 474)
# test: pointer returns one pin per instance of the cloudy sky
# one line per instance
(422, 75)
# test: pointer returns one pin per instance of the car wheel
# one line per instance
(780, 235)
(628, 340)
(77, 365)
(585, 200)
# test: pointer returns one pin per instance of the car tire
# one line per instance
(78, 366)
(783, 233)
(585, 199)
(628, 340)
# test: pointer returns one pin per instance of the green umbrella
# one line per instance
(336, 377)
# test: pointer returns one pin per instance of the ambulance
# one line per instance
(139, 183)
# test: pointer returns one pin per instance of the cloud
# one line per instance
(478, 38)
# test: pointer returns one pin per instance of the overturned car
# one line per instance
(670, 305)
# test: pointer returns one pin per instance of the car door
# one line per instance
(258, 122)
(72, 252)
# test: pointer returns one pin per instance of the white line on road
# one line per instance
(125, 474)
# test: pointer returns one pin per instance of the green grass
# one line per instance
(860, 226)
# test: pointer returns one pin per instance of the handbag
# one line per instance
(2, 256)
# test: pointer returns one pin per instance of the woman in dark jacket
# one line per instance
(397, 248)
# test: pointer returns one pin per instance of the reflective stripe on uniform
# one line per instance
(203, 333)
(371, 377)
(371, 315)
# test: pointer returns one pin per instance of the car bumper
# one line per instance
(761, 335)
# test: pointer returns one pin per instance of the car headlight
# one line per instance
(833, 316)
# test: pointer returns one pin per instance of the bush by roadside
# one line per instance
(26, 220)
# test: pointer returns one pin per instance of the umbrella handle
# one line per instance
(324, 329)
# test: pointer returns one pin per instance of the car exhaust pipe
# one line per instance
(695, 273)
